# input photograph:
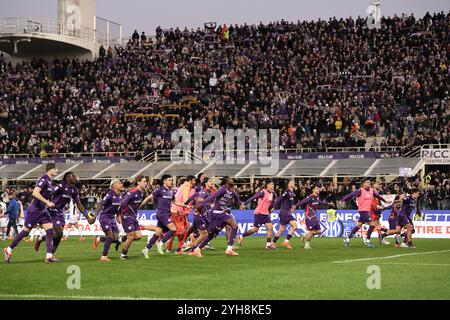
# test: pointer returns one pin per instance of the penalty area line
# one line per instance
(390, 257)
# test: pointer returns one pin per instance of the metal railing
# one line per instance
(45, 25)
(164, 155)
(35, 26)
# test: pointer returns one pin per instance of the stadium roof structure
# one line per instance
(359, 167)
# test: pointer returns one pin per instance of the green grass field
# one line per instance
(423, 273)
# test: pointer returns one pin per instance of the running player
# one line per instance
(38, 214)
(312, 203)
(221, 215)
(128, 213)
(74, 217)
(392, 220)
(180, 214)
(108, 210)
(404, 218)
(286, 205)
(364, 197)
(165, 229)
(201, 221)
(266, 200)
(62, 194)
(375, 214)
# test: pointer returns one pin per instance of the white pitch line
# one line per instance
(44, 296)
(390, 257)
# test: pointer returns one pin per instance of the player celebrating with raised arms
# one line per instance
(38, 214)
(312, 203)
(266, 200)
(165, 229)
(221, 215)
(286, 205)
(61, 195)
(108, 210)
(364, 198)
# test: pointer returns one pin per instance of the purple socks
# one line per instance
(18, 238)
(355, 230)
(369, 232)
(49, 240)
(107, 245)
(233, 234)
(167, 236)
(152, 241)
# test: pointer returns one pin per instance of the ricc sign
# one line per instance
(436, 156)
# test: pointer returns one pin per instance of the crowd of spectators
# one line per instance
(322, 83)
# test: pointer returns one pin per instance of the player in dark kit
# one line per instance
(38, 214)
(165, 228)
(393, 221)
(221, 215)
(286, 205)
(61, 195)
(404, 218)
(312, 203)
(108, 210)
(201, 221)
(128, 213)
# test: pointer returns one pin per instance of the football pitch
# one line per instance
(329, 271)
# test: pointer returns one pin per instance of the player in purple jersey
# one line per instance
(263, 209)
(108, 210)
(312, 203)
(128, 213)
(286, 205)
(201, 221)
(62, 194)
(404, 218)
(37, 214)
(221, 215)
(164, 196)
(392, 220)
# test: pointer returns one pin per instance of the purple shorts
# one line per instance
(312, 224)
(286, 218)
(130, 224)
(403, 220)
(392, 223)
(34, 218)
(364, 216)
(218, 219)
(58, 220)
(200, 222)
(260, 219)
(163, 221)
(108, 224)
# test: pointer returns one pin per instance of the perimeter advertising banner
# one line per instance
(436, 156)
(434, 224)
